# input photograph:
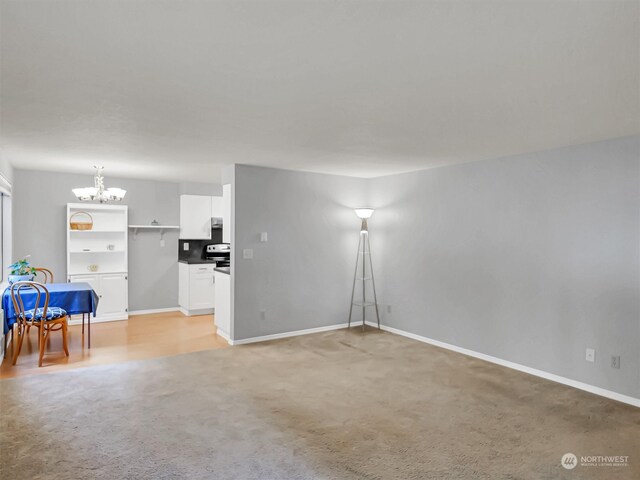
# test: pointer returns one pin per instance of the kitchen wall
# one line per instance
(301, 278)
(191, 188)
(40, 200)
(531, 258)
(195, 248)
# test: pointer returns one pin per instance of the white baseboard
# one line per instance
(276, 336)
(224, 335)
(78, 320)
(196, 312)
(516, 366)
(154, 310)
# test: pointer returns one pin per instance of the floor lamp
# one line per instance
(364, 251)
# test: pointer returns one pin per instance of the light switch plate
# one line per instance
(185, 246)
(590, 355)
(247, 253)
(264, 237)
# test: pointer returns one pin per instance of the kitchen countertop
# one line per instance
(226, 270)
(196, 261)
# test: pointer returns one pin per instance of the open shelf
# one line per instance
(152, 228)
(104, 248)
(96, 251)
(100, 272)
(96, 231)
(155, 227)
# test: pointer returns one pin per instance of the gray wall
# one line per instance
(192, 188)
(6, 169)
(301, 278)
(40, 200)
(531, 258)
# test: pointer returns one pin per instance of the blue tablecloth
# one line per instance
(75, 298)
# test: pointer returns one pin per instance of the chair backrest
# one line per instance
(18, 303)
(46, 273)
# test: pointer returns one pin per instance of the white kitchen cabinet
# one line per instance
(113, 300)
(223, 305)
(216, 207)
(226, 213)
(195, 217)
(92, 280)
(196, 289)
(112, 290)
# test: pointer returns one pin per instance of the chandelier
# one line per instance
(98, 192)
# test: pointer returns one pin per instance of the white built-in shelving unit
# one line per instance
(100, 256)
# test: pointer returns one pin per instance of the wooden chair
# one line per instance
(46, 274)
(46, 319)
(47, 278)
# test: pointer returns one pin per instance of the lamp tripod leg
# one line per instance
(353, 289)
(373, 283)
(364, 285)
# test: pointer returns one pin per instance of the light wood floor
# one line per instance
(142, 336)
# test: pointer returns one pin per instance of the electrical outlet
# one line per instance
(263, 314)
(247, 253)
(162, 244)
(388, 308)
(615, 361)
(185, 246)
(264, 237)
(590, 355)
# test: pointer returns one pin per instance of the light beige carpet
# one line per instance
(337, 405)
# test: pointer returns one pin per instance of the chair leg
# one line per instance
(6, 342)
(16, 351)
(64, 338)
(42, 343)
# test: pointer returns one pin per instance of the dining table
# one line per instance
(76, 298)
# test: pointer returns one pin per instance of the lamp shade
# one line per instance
(364, 212)
(116, 194)
(86, 193)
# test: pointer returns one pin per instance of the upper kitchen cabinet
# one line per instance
(216, 207)
(195, 217)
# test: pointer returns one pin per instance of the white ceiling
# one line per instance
(176, 89)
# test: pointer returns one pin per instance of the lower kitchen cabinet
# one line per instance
(112, 290)
(196, 289)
